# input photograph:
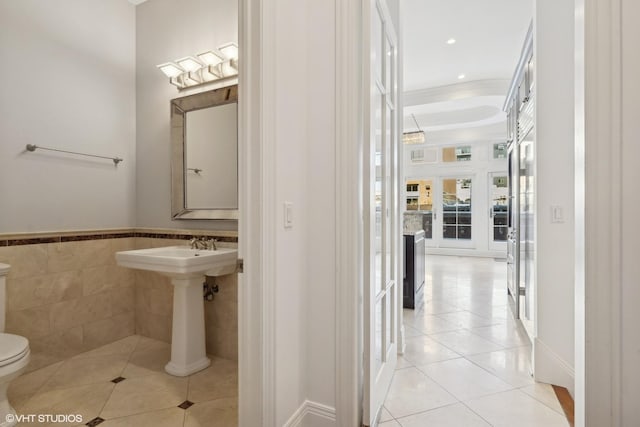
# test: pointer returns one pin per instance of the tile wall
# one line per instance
(67, 295)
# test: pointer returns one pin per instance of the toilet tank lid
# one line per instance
(4, 269)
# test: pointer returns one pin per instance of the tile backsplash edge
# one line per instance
(71, 236)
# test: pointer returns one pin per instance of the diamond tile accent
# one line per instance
(117, 380)
(185, 405)
(95, 422)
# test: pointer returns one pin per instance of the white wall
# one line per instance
(167, 30)
(320, 189)
(481, 165)
(296, 148)
(554, 295)
(67, 82)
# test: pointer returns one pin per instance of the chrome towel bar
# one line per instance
(32, 147)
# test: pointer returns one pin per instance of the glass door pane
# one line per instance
(379, 187)
(419, 198)
(499, 194)
(456, 208)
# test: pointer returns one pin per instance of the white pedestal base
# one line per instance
(188, 352)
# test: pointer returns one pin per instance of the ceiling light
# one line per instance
(189, 63)
(170, 69)
(229, 50)
(461, 76)
(210, 58)
(451, 41)
(414, 137)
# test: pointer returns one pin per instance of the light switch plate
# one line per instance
(557, 214)
(288, 215)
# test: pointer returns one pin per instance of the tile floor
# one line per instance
(125, 385)
(466, 361)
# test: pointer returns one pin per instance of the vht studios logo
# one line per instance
(44, 418)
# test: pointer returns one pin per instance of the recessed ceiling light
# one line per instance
(451, 41)
(461, 76)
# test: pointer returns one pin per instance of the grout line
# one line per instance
(121, 372)
(540, 400)
(479, 416)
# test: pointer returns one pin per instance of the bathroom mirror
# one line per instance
(204, 155)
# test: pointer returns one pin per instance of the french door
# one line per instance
(446, 203)
(381, 225)
(498, 211)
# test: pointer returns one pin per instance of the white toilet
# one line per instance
(14, 355)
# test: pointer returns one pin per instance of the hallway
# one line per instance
(466, 361)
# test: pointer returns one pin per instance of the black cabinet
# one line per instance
(414, 273)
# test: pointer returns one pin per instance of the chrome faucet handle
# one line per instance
(212, 244)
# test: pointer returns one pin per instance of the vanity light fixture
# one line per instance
(170, 69)
(414, 137)
(189, 64)
(229, 50)
(210, 58)
(209, 66)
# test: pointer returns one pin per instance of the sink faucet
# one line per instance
(203, 243)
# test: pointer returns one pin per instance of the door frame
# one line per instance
(256, 285)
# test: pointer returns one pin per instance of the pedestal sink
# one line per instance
(187, 269)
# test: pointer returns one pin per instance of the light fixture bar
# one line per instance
(209, 66)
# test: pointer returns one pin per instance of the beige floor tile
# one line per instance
(544, 393)
(463, 379)
(149, 357)
(465, 342)
(25, 386)
(431, 324)
(512, 365)
(391, 423)
(145, 394)
(385, 415)
(412, 392)
(457, 415)
(124, 347)
(507, 335)
(403, 363)
(86, 370)
(172, 417)
(422, 350)
(217, 381)
(86, 400)
(515, 408)
(214, 413)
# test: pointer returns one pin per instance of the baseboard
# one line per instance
(312, 414)
(552, 369)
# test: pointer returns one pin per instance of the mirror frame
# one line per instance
(179, 109)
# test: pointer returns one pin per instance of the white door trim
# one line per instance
(256, 307)
(349, 221)
(599, 148)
